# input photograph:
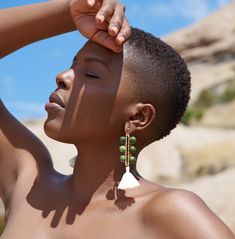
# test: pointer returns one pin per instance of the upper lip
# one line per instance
(54, 97)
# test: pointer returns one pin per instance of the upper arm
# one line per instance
(18, 148)
(182, 214)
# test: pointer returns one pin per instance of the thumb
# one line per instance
(104, 39)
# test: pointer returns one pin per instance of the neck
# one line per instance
(97, 169)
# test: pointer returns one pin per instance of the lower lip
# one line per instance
(52, 106)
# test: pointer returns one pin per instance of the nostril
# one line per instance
(61, 84)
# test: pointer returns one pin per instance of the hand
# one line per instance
(102, 21)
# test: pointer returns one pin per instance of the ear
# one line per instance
(141, 116)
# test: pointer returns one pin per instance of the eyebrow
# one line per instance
(98, 60)
(94, 59)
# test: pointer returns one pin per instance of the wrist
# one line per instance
(65, 11)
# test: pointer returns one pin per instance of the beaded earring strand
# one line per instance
(127, 150)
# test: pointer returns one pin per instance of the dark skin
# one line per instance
(95, 109)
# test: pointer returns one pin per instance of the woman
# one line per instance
(91, 108)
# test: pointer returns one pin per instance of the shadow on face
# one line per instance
(89, 95)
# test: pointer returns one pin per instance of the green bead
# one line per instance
(133, 140)
(122, 139)
(132, 149)
(123, 158)
(132, 159)
(122, 149)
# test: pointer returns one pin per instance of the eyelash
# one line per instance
(87, 74)
(92, 76)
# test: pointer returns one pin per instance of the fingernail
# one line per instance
(91, 2)
(114, 30)
(101, 18)
(120, 39)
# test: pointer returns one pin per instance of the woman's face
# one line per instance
(85, 105)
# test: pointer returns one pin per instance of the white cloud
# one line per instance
(8, 85)
(29, 106)
(55, 53)
(24, 109)
(222, 2)
(190, 10)
(193, 10)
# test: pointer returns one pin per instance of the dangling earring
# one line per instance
(127, 149)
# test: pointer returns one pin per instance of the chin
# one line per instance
(54, 131)
(49, 129)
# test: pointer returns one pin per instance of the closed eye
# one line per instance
(90, 75)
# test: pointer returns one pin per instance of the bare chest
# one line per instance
(44, 209)
(63, 223)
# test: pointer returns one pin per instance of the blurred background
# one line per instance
(199, 155)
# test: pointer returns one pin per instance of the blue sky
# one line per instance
(27, 76)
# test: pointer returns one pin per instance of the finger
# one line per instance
(117, 19)
(107, 9)
(104, 39)
(95, 3)
(91, 3)
(124, 33)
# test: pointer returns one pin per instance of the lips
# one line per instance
(55, 102)
(55, 98)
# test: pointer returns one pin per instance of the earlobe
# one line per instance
(143, 116)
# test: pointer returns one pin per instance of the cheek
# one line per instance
(119, 115)
(89, 110)
(92, 111)
(120, 110)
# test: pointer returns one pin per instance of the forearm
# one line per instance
(21, 26)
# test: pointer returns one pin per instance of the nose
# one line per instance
(64, 80)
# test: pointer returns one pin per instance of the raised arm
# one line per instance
(20, 26)
(102, 21)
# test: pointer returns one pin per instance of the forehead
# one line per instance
(93, 50)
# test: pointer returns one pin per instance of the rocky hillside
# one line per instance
(209, 49)
(210, 40)
(203, 155)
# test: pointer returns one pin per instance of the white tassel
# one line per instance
(128, 180)
(72, 162)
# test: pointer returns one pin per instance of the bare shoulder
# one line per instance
(182, 214)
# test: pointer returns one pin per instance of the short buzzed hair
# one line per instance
(160, 77)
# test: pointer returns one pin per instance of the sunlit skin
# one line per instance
(89, 89)
(97, 112)
(91, 107)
